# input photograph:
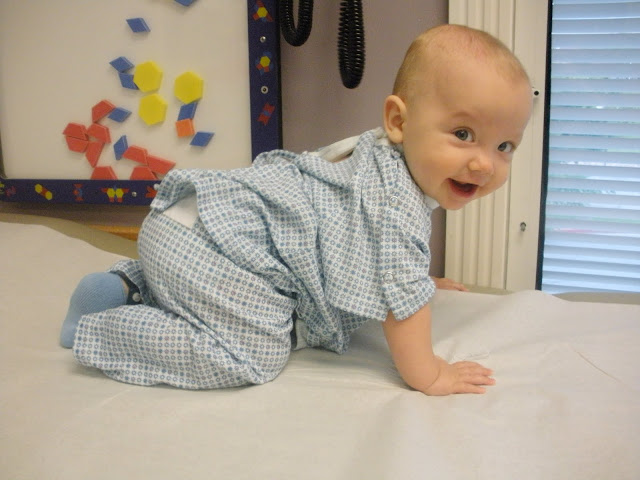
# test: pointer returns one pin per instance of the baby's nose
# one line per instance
(482, 164)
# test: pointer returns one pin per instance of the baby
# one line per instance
(238, 267)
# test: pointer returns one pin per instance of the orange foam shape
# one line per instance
(159, 165)
(185, 127)
(103, 173)
(142, 173)
(94, 149)
(137, 154)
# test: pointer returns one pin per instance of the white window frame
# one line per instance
(531, 36)
(494, 242)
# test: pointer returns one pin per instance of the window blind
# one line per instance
(592, 226)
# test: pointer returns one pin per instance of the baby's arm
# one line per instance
(448, 284)
(410, 344)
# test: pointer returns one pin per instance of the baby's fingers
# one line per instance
(469, 388)
(467, 367)
(471, 375)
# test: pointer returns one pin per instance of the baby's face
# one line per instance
(459, 138)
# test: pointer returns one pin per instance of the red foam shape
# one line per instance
(101, 110)
(76, 144)
(103, 173)
(142, 173)
(151, 193)
(94, 149)
(75, 130)
(159, 165)
(137, 154)
(100, 132)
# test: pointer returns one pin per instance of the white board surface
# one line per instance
(54, 66)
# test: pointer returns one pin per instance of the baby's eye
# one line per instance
(506, 147)
(464, 135)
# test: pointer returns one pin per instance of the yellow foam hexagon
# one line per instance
(152, 109)
(262, 12)
(188, 87)
(147, 76)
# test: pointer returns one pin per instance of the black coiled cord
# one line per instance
(296, 36)
(351, 55)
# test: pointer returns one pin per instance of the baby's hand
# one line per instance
(460, 377)
(448, 284)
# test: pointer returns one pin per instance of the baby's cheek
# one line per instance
(501, 175)
(498, 180)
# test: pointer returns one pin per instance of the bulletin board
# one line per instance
(100, 99)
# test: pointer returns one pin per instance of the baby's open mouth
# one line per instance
(464, 189)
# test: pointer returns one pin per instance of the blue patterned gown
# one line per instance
(295, 237)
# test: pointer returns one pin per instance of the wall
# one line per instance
(317, 109)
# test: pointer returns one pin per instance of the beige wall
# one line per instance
(317, 109)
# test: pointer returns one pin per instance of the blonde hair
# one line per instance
(437, 47)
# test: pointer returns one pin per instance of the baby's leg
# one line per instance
(206, 322)
(145, 346)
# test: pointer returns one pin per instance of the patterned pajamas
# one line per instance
(205, 324)
(332, 245)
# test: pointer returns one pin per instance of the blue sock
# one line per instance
(96, 292)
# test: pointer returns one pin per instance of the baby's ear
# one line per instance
(394, 116)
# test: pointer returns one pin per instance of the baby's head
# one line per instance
(460, 104)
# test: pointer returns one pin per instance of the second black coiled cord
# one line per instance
(296, 36)
(351, 51)
(351, 56)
